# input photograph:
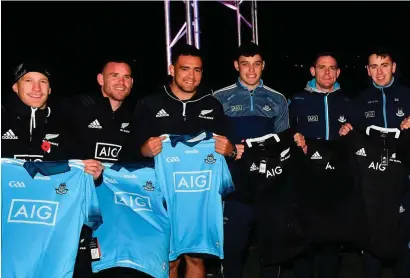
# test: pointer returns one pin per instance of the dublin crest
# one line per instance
(148, 186)
(210, 159)
(61, 189)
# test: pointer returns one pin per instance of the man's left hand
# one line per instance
(222, 145)
(405, 124)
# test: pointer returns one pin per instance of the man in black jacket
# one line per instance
(386, 103)
(180, 108)
(96, 126)
(27, 128)
(317, 113)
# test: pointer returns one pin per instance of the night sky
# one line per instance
(75, 36)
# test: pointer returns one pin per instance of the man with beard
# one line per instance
(96, 127)
(181, 107)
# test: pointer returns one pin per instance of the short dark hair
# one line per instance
(323, 54)
(117, 59)
(381, 51)
(248, 49)
(184, 50)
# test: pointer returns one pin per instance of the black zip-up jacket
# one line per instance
(92, 129)
(28, 133)
(319, 115)
(163, 113)
(384, 106)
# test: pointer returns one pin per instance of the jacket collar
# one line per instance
(311, 87)
(200, 93)
(240, 84)
(384, 87)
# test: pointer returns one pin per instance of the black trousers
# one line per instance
(373, 266)
(324, 255)
(239, 220)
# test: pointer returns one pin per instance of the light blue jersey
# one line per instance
(193, 178)
(136, 229)
(44, 206)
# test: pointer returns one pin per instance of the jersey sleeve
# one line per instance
(227, 185)
(92, 211)
(281, 122)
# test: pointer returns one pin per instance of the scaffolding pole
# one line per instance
(196, 24)
(188, 22)
(167, 33)
(255, 24)
(238, 22)
(235, 5)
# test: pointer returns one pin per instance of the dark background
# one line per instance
(74, 36)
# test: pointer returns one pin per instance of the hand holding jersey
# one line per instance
(152, 147)
(405, 124)
(300, 141)
(93, 167)
(222, 145)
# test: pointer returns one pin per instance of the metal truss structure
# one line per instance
(191, 28)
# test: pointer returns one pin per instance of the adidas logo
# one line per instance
(95, 124)
(361, 152)
(253, 167)
(9, 135)
(316, 155)
(162, 113)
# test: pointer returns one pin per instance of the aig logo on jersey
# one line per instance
(135, 201)
(107, 151)
(192, 181)
(313, 118)
(36, 212)
(377, 166)
(273, 171)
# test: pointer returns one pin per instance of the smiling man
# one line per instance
(180, 107)
(317, 113)
(386, 103)
(27, 129)
(96, 126)
(253, 110)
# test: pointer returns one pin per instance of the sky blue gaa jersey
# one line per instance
(44, 206)
(136, 229)
(193, 178)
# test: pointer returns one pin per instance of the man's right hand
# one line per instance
(152, 146)
(93, 167)
(345, 129)
(300, 141)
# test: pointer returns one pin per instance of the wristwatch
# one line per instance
(234, 153)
